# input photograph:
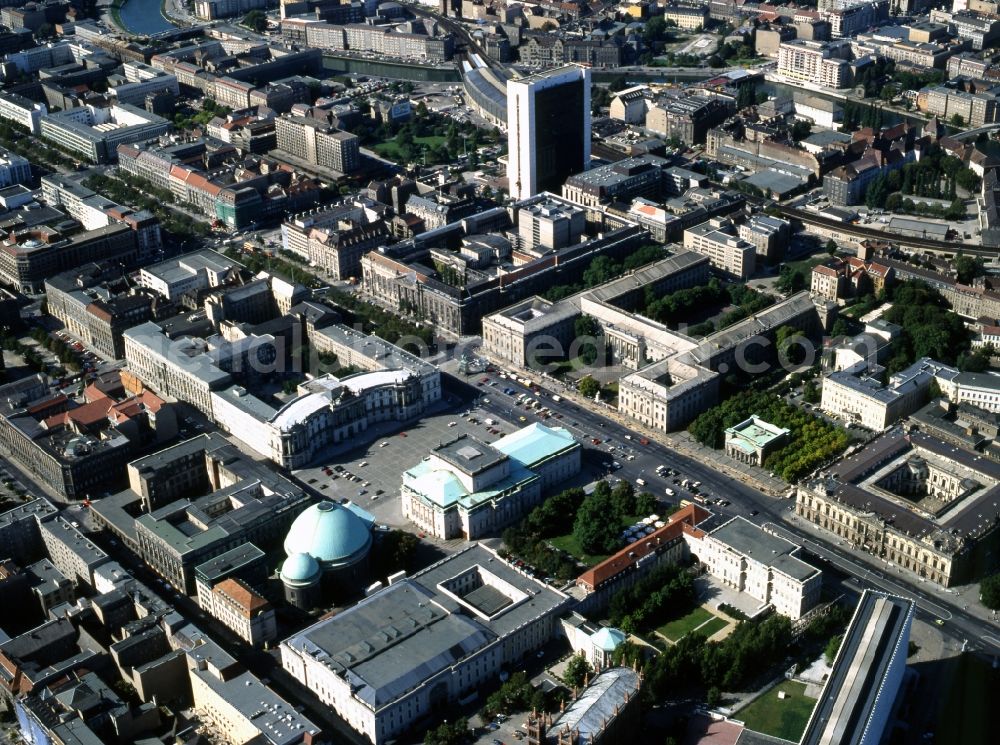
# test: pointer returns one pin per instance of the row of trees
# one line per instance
(62, 350)
(663, 593)
(140, 193)
(679, 305)
(812, 441)
(604, 513)
(604, 268)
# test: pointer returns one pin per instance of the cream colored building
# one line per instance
(242, 611)
(688, 17)
(814, 62)
(764, 566)
(719, 241)
(235, 706)
(857, 396)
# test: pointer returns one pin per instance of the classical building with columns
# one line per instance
(914, 501)
(753, 439)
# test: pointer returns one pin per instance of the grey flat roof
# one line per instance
(469, 454)
(747, 539)
(393, 641)
(230, 561)
(878, 632)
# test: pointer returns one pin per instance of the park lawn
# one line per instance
(967, 714)
(712, 627)
(680, 627)
(780, 718)
(390, 149)
(570, 545)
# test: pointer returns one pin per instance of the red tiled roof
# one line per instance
(249, 602)
(682, 521)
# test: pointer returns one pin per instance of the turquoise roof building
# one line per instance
(332, 534)
(469, 488)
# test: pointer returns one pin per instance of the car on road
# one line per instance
(939, 622)
(754, 513)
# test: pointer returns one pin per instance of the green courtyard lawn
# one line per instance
(786, 718)
(570, 545)
(713, 627)
(390, 149)
(680, 627)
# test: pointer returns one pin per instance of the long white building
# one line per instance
(424, 642)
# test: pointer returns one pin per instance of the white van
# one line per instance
(640, 482)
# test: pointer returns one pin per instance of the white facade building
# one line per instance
(424, 642)
(762, 565)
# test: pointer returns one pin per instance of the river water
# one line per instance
(144, 17)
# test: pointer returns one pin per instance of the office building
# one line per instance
(768, 235)
(240, 707)
(546, 225)
(816, 62)
(764, 566)
(859, 696)
(426, 641)
(687, 119)
(719, 240)
(188, 274)
(28, 256)
(857, 395)
(548, 129)
(95, 133)
(13, 169)
(243, 611)
(318, 144)
(22, 111)
(641, 176)
(215, 498)
(543, 330)
(209, 10)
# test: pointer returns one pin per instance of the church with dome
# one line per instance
(327, 548)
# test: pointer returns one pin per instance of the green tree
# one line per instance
(595, 528)
(832, 647)
(713, 697)
(586, 327)
(449, 733)
(831, 247)
(968, 268)
(577, 670)
(256, 20)
(957, 120)
(989, 591)
(588, 387)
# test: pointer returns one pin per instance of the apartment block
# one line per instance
(718, 239)
(815, 62)
(318, 144)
